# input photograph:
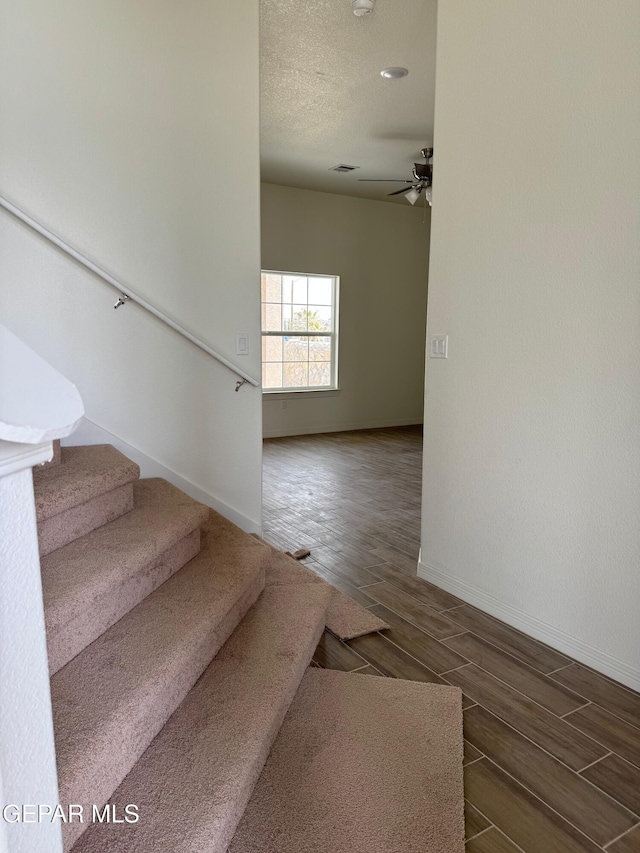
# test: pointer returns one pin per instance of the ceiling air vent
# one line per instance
(342, 167)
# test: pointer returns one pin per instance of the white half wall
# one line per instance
(380, 251)
(122, 133)
(532, 425)
(27, 754)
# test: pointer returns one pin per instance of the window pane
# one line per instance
(271, 287)
(295, 374)
(271, 317)
(287, 288)
(299, 318)
(294, 318)
(271, 349)
(296, 349)
(320, 373)
(319, 318)
(320, 349)
(287, 317)
(272, 376)
(320, 290)
(300, 290)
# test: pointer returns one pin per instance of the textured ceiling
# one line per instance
(323, 101)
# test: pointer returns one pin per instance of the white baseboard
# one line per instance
(89, 432)
(540, 630)
(316, 430)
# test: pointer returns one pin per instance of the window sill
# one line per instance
(293, 395)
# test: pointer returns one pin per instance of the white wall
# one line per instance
(532, 426)
(380, 251)
(124, 132)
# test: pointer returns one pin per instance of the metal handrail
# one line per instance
(126, 294)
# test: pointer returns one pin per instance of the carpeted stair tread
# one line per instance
(345, 617)
(83, 473)
(361, 765)
(92, 582)
(90, 487)
(194, 781)
(112, 699)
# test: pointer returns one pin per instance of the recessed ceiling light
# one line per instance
(362, 7)
(394, 73)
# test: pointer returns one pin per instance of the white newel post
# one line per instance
(37, 405)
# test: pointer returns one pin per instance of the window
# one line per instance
(299, 332)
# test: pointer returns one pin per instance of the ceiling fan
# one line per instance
(422, 178)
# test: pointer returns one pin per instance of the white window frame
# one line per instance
(312, 390)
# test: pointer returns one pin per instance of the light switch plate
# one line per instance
(242, 343)
(438, 346)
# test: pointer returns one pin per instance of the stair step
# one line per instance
(112, 699)
(361, 763)
(90, 487)
(193, 783)
(93, 581)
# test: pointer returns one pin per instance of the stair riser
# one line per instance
(93, 778)
(87, 625)
(83, 474)
(61, 529)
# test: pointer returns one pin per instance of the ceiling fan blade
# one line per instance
(397, 192)
(385, 180)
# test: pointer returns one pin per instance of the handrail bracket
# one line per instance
(121, 301)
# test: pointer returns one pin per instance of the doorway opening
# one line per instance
(346, 133)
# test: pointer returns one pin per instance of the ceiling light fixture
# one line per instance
(362, 7)
(396, 72)
(413, 195)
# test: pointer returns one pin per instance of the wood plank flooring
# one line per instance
(552, 749)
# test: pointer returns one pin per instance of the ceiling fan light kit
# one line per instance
(413, 195)
(362, 7)
(422, 180)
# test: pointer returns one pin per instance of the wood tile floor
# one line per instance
(552, 749)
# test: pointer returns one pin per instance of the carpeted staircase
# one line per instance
(177, 644)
